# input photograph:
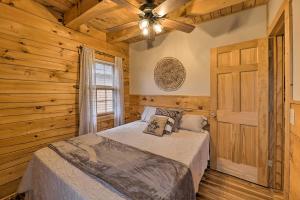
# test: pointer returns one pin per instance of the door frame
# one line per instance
(276, 106)
(284, 15)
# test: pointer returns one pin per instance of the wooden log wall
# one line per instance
(39, 73)
(190, 104)
(295, 154)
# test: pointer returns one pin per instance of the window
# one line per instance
(104, 82)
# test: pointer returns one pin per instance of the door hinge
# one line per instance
(270, 163)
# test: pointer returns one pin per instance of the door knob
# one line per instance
(213, 115)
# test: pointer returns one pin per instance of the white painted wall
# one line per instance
(193, 50)
(296, 50)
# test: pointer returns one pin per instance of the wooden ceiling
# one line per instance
(101, 15)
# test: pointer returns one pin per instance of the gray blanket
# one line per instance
(134, 173)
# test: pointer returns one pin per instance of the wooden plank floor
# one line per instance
(218, 186)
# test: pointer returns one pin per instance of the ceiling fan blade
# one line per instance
(122, 27)
(201, 7)
(130, 6)
(168, 6)
(172, 24)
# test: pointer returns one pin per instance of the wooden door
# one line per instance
(239, 124)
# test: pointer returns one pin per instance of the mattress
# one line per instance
(50, 177)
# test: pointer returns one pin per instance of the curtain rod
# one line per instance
(102, 53)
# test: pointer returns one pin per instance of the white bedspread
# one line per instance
(50, 177)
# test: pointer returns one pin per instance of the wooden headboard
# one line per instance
(198, 105)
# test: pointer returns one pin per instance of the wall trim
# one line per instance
(286, 11)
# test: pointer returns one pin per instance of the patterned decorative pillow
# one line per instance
(156, 125)
(169, 126)
(176, 115)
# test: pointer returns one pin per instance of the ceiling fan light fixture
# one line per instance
(157, 27)
(145, 31)
(144, 23)
(153, 18)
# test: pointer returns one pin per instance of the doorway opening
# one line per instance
(277, 104)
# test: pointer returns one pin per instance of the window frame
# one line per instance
(104, 87)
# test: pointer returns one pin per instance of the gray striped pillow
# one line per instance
(174, 114)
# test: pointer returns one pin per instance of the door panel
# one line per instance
(225, 150)
(225, 93)
(249, 91)
(249, 56)
(249, 145)
(225, 59)
(239, 131)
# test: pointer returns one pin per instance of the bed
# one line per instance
(50, 177)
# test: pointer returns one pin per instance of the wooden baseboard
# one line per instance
(10, 197)
(15, 196)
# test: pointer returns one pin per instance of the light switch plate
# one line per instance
(292, 116)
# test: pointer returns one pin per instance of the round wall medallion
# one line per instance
(169, 74)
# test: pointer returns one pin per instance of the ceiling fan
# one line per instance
(153, 17)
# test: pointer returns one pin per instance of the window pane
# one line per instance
(104, 74)
(104, 101)
(100, 95)
(101, 107)
(100, 79)
(109, 95)
(99, 74)
(104, 77)
(108, 75)
(109, 105)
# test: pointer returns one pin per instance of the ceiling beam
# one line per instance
(123, 35)
(201, 7)
(122, 26)
(58, 5)
(180, 12)
(130, 5)
(84, 11)
(91, 31)
(133, 34)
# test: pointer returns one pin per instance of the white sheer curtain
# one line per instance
(87, 92)
(118, 93)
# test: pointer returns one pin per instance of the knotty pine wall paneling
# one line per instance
(197, 105)
(295, 154)
(39, 70)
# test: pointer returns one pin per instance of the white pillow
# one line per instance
(147, 114)
(193, 122)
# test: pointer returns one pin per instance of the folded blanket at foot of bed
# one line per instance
(134, 173)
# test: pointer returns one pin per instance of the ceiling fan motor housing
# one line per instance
(147, 8)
